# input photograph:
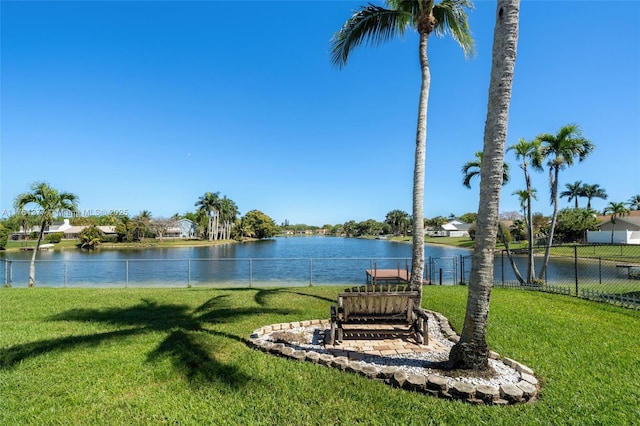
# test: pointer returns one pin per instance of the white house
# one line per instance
(453, 228)
(626, 230)
(64, 227)
(183, 228)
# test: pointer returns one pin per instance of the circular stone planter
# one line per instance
(412, 367)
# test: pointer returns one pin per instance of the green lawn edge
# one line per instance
(180, 356)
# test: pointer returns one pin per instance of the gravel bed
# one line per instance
(421, 363)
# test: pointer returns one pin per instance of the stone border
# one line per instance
(526, 390)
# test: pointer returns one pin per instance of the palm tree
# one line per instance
(529, 153)
(634, 202)
(228, 214)
(208, 204)
(50, 201)
(574, 190)
(140, 225)
(592, 191)
(561, 149)
(398, 220)
(616, 210)
(374, 24)
(471, 169)
(472, 351)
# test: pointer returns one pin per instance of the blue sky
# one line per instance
(148, 105)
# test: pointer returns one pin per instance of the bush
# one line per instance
(55, 238)
(4, 237)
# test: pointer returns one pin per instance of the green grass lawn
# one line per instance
(179, 356)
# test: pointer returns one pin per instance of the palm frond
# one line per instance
(371, 24)
(452, 19)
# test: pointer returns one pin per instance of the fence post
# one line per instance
(7, 273)
(502, 265)
(440, 276)
(189, 273)
(600, 269)
(310, 271)
(250, 272)
(575, 266)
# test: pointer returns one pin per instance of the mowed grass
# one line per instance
(179, 356)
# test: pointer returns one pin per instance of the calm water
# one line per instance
(278, 261)
(275, 262)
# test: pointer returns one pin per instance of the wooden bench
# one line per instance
(378, 312)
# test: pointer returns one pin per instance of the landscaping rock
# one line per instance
(326, 359)
(312, 356)
(487, 393)
(387, 372)
(437, 383)
(511, 392)
(463, 390)
(415, 382)
(529, 378)
(527, 388)
(340, 362)
(399, 378)
(370, 371)
(299, 355)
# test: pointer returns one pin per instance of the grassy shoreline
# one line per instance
(179, 356)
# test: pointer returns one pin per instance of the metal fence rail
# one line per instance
(604, 273)
(231, 272)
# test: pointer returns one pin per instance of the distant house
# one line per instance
(453, 228)
(626, 230)
(70, 231)
(183, 228)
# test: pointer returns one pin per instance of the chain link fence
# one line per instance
(605, 273)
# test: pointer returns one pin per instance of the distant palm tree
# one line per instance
(209, 204)
(574, 190)
(616, 210)
(561, 149)
(530, 154)
(50, 201)
(634, 202)
(592, 191)
(472, 351)
(374, 25)
(398, 220)
(471, 169)
(228, 214)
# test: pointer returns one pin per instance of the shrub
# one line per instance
(4, 237)
(55, 238)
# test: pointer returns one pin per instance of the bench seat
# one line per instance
(378, 312)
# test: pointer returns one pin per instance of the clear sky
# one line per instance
(148, 105)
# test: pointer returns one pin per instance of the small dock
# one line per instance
(43, 247)
(629, 271)
(386, 276)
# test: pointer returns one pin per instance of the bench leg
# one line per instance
(334, 318)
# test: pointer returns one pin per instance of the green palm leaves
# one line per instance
(374, 25)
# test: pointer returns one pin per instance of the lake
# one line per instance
(278, 261)
(282, 261)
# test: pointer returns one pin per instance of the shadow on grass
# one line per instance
(188, 344)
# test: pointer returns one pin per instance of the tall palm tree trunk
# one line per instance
(613, 228)
(516, 271)
(32, 265)
(417, 265)
(531, 270)
(472, 350)
(552, 227)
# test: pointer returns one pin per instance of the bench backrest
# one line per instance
(378, 303)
